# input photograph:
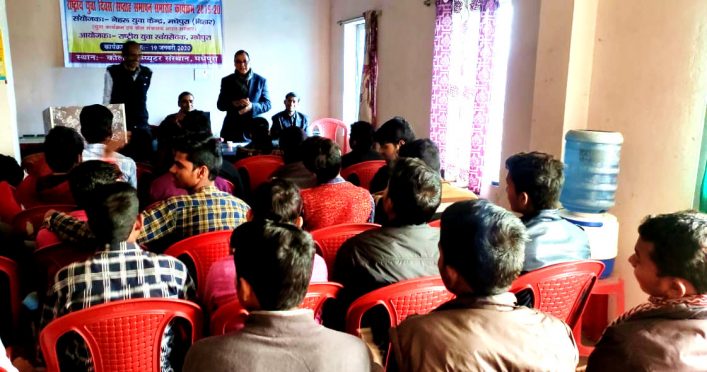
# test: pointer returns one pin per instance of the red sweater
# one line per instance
(336, 203)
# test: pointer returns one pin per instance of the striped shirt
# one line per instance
(97, 151)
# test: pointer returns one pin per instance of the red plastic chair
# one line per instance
(435, 223)
(28, 222)
(364, 171)
(231, 317)
(329, 239)
(8, 268)
(203, 250)
(121, 335)
(10, 206)
(259, 168)
(334, 129)
(561, 290)
(402, 299)
(53, 258)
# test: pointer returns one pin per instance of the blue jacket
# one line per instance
(553, 239)
(234, 124)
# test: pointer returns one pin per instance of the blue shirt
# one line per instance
(553, 240)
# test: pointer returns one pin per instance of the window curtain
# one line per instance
(367, 109)
(461, 86)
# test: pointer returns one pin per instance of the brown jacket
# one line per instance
(667, 339)
(483, 334)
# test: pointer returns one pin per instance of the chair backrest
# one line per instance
(54, 257)
(202, 250)
(329, 239)
(231, 316)
(561, 290)
(400, 300)
(259, 168)
(8, 268)
(435, 223)
(364, 171)
(122, 335)
(334, 129)
(28, 222)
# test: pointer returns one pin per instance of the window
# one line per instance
(354, 49)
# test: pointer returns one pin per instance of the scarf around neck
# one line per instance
(242, 82)
(655, 303)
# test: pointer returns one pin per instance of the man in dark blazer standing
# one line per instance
(244, 95)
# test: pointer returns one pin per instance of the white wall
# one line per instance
(405, 46)
(288, 41)
(8, 118)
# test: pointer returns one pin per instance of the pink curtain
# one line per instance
(367, 109)
(461, 86)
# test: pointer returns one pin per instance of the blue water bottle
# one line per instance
(591, 170)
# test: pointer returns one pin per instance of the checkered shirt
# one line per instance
(176, 218)
(119, 272)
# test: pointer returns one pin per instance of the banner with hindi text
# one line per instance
(180, 32)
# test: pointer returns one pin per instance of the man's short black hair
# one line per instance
(112, 212)
(393, 131)
(62, 148)
(11, 171)
(241, 52)
(202, 153)
(96, 123)
(322, 157)
(276, 260)
(277, 200)
(291, 95)
(539, 175)
(679, 245)
(291, 139)
(197, 123)
(361, 138)
(415, 191)
(423, 149)
(87, 176)
(484, 243)
(127, 45)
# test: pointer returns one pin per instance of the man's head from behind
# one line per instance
(414, 192)
(670, 258)
(62, 149)
(113, 214)
(277, 200)
(481, 248)
(273, 264)
(361, 138)
(423, 149)
(196, 162)
(534, 182)
(322, 157)
(96, 123)
(87, 176)
(391, 135)
(291, 139)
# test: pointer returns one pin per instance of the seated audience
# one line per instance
(289, 118)
(205, 209)
(393, 134)
(361, 143)
(11, 171)
(119, 270)
(83, 180)
(63, 147)
(97, 130)
(333, 201)
(10, 178)
(405, 247)
(260, 140)
(291, 140)
(277, 200)
(274, 264)
(480, 254)
(667, 333)
(534, 182)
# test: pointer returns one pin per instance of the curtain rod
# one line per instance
(354, 19)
